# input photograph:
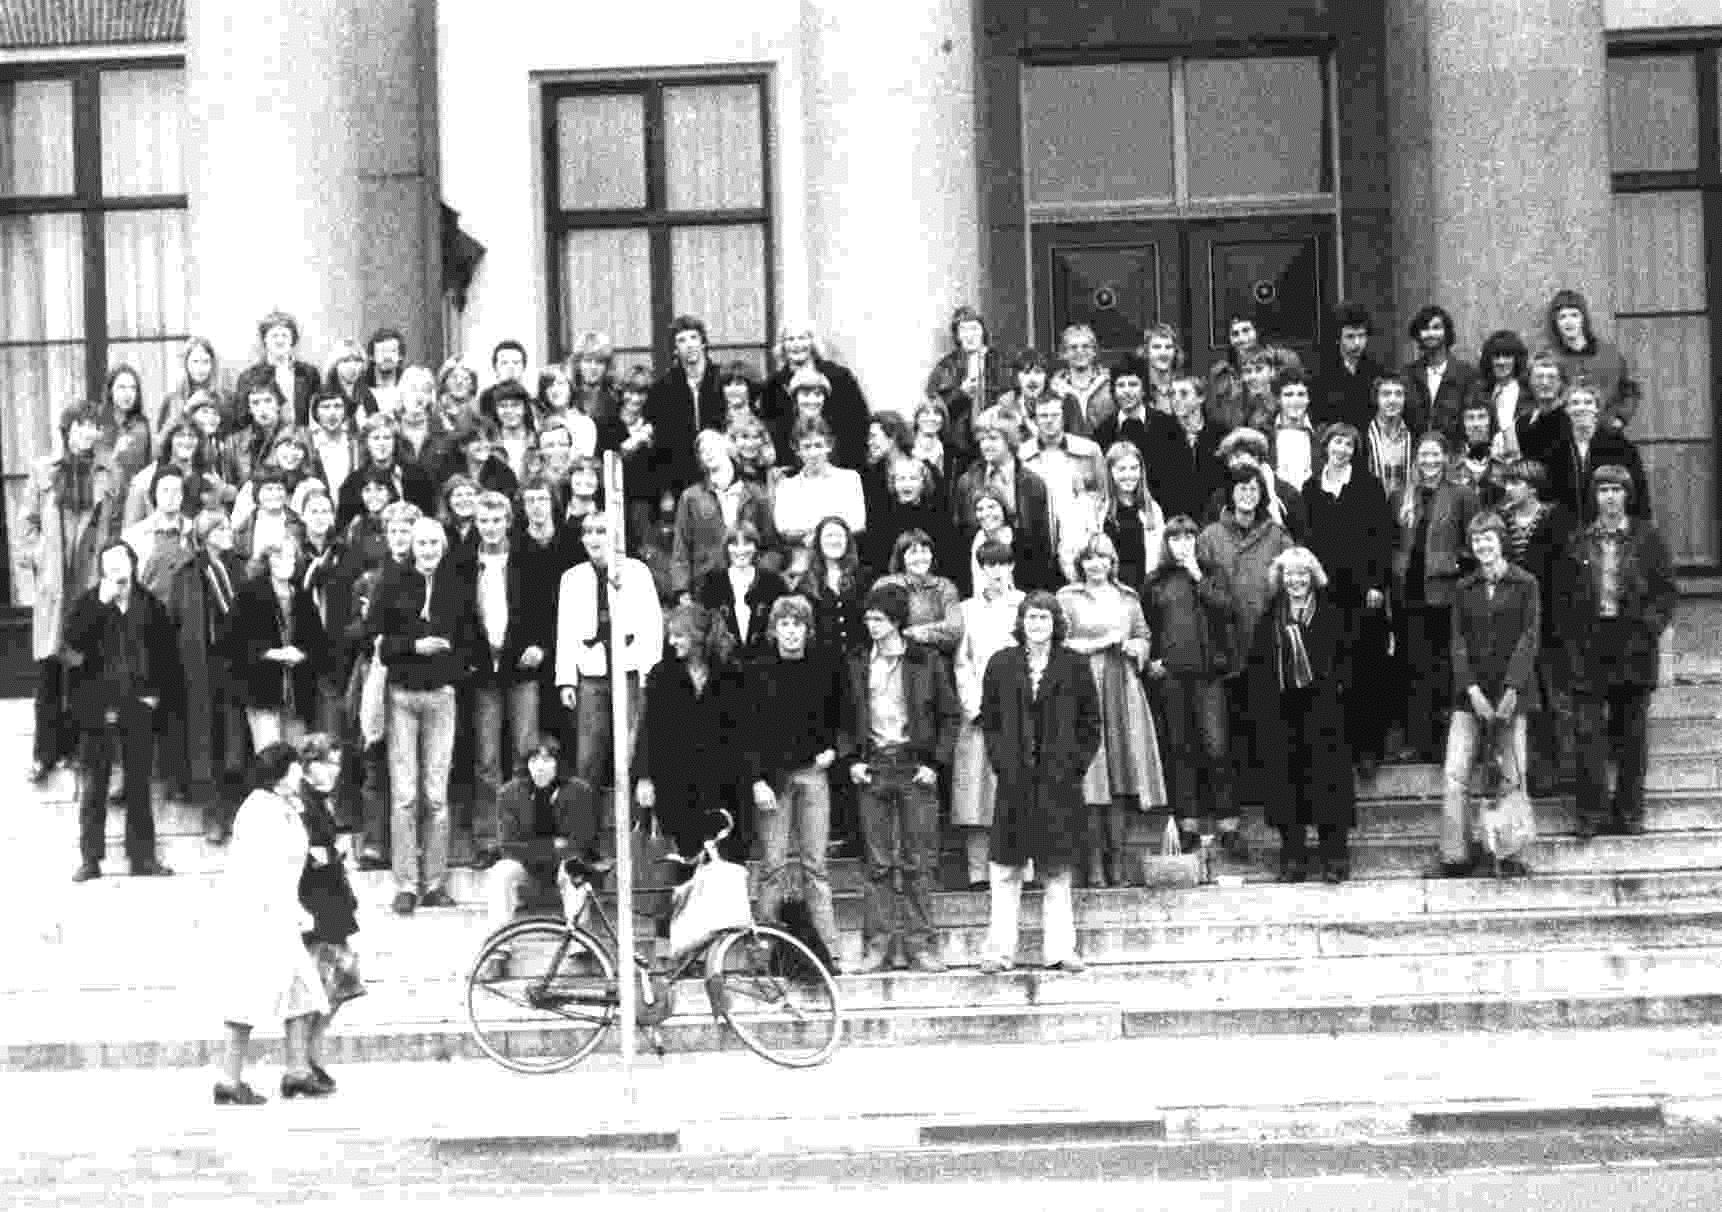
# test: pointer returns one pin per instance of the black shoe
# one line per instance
(304, 1085)
(240, 1095)
(1366, 768)
(436, 898)
(322, 1075)
(1294, 870)
(1335, 871)
(370, 860)
(980, 885)
(405, 903)
(1444, 870)
(1189, 841)
(87, 871)
(152, 868)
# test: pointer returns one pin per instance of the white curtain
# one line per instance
(143, 132)
(601, 151)
(147, 251)
(36, 138)
(718, 274)
(607, 285)
(712, 147)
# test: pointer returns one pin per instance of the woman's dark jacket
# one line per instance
(324, 890)
(1191, 624)
(713, 592)
(690, 741)
(1039, 746)
(1352, 535)
(1300, 734)
(256, 628)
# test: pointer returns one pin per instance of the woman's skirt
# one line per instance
(1128, 761)
(270, 978)
(973, 784)
(338, 967)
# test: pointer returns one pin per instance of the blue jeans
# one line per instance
(1198, 743)
(1459, 818)
(421, 747)
(494, 708)
(592, 730)
(900, 830)
(798, 828)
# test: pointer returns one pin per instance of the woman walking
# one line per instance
(326, 894)
(268, 975)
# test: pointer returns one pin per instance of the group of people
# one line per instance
(1049, 595)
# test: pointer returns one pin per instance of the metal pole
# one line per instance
(626, 973)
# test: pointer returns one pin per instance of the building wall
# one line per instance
(873, 156)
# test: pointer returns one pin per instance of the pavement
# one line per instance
(1255, 1088)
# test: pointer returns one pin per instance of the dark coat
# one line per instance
(324, 890)
(930, 695)
(1339, 394)
(1039, 747)
(531, 624)
(1037, 562)
(671, 410)
(714, 594)
(1542, 553)
(688, 741)
(836, 616)
(397, 618)
(306, 384)
(575, 807)
(94, 692)
(1647, 598)
(256, 628)
(1569, 478)
(1192, 626)
(1183, 477)
(1300, 734)
(1352, 535)
(1496, 637)
(946, 382)
(845, 411)
(1448, 552)
(1446, 410)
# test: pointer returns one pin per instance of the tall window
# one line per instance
(659, 201)
(1665, 130)
(92, 244)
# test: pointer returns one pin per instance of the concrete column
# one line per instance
(1500, 159)
(274, 195)
(893, 240)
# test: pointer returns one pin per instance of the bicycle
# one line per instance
(553, 986)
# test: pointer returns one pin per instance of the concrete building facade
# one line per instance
(868, 167)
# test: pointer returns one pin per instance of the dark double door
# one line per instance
(1122, 278)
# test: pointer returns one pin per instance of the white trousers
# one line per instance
(1058, 915)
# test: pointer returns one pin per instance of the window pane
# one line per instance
(1653, 113)
(35, 383)
(1659, 252)
(157, 363)
(36, 137)
(1098, 132)
(712, 147)
(601, 151)
(718, 274)
(607, 285)
(147, 253)
(41, 277)
(143, 132)
(1255, 127)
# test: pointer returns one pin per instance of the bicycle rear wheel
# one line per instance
(775, 995)
(540, 996)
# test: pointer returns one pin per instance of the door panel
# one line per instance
(1119, 279)
(1276, 271)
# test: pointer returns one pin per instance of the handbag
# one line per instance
(713, 901)
(1508, 820)
(1171, 868)
(373, 698)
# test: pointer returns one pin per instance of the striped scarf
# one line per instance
(1295, 670)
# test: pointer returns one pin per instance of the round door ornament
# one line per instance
(1265, 292)
(1105, 297)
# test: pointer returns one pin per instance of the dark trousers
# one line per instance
(132, 734)
(1197, 743)
(1368, 704)
(1428, 644)
(56, 734)
(900, 826)
(1613, 724)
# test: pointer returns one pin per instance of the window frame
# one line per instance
(1705, 47)
(89, 201)
(1184, 205)
(655, 217)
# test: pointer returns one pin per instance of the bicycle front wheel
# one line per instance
(775, 995)
(540, 996)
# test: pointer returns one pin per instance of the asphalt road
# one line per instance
(1577, 1172)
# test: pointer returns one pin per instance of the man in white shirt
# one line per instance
(590, 594)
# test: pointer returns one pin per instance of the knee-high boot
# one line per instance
(1097, 868)
(1117, 871)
